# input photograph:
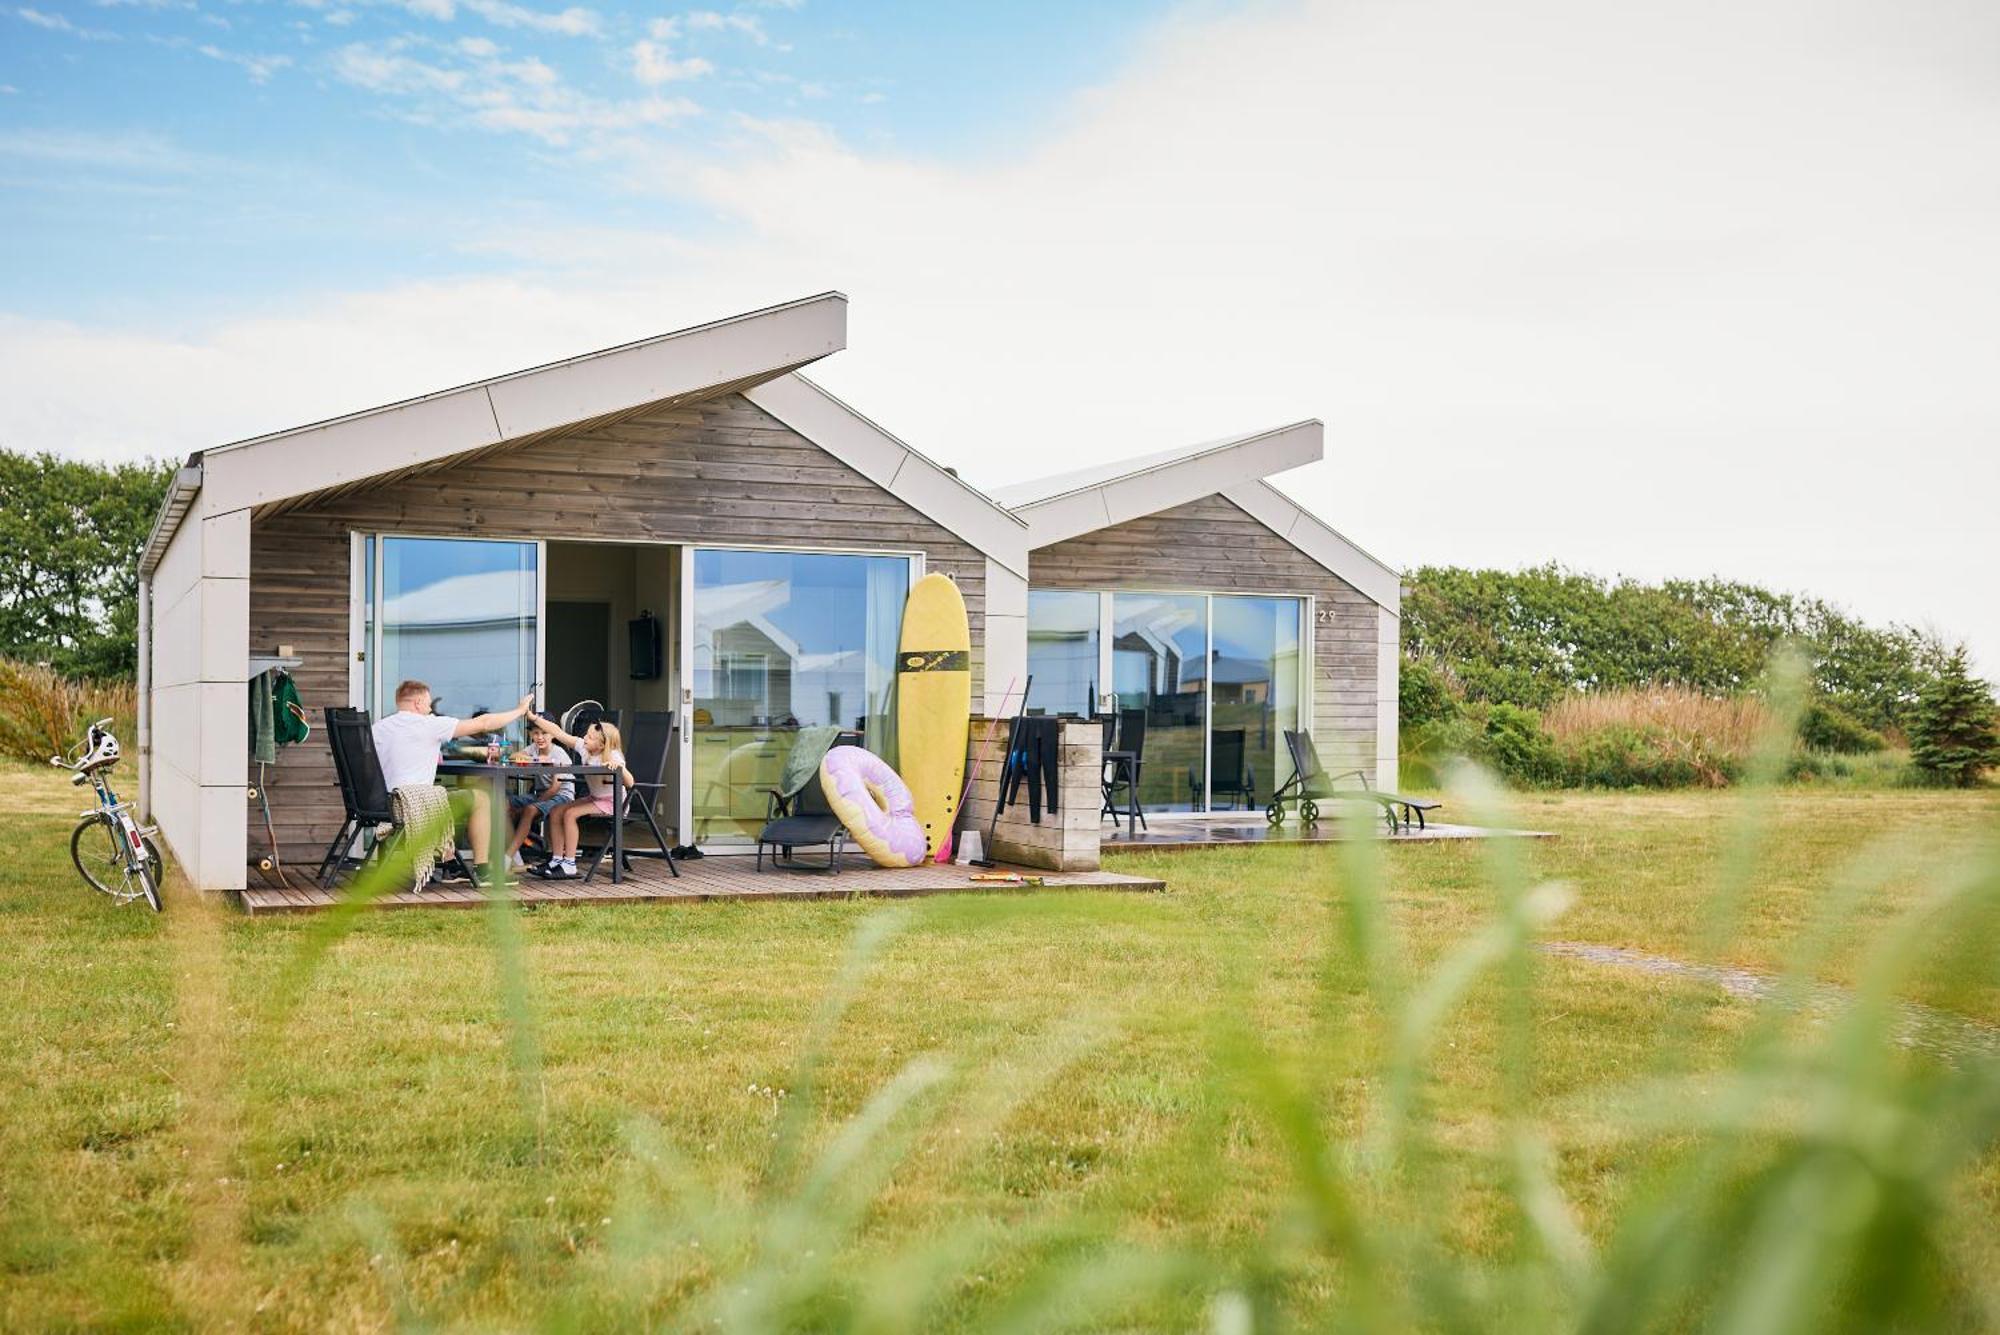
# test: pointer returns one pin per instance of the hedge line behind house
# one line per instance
(1561, 679)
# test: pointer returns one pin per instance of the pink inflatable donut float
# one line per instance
(874, 804)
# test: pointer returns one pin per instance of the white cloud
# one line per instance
(259, 68)
(1637, 289)
(340, 18)
(652, 64)
(133, 151)
(59, 23)
(467, 84)
(709, 20)
(572, 22)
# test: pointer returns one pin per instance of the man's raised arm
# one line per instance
(479, 723)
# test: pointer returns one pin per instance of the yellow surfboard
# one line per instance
(934, 704)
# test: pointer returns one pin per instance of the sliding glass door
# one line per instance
(1159, 660)
(1215, 680)
(1253, 697)
(784, 641)
(462, 615)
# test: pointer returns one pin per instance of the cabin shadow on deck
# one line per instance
(710, 878)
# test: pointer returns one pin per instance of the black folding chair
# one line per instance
(1229, 769)
(648, 751)
(803, 820)
(363, 794)
(1122, 766)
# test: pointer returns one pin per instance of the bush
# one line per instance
(1424, 694)
(1519, 749)
(43, 713)
(1825, 726)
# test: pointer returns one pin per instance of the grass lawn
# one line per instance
(407, 1144)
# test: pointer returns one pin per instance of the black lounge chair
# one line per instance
(1310, 785)
(803, 820)
(647, 753)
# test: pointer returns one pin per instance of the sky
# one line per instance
(1707, 288)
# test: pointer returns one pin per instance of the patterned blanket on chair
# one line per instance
(420, 806)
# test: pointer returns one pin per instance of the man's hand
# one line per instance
(527, 704)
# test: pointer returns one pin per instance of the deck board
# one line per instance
(712, 878)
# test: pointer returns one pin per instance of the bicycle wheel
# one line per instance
(97, 847)
(154, 870)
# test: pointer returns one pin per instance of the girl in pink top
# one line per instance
(599, 745)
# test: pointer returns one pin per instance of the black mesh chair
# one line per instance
(363, 794)
(803, 820)
(648, 751)
(1229, 770)
(1122, 766)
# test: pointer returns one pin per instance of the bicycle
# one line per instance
(112, 851)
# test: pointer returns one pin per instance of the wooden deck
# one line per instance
(1170, 834)
(709, 878)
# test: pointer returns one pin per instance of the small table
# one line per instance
(499, 774)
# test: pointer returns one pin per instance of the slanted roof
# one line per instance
(505, 411)
(1069, 505)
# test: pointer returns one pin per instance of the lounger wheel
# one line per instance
(1275, 813)
(1309, 812)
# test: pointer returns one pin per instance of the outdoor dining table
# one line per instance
(500, 773)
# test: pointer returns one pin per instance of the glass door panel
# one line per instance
(1254, 688)
(783, 641)
(458, 614)
(1159, 653)
(1062, 651)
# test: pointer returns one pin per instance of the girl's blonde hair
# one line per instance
(612, 740)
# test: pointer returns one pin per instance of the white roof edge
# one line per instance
(181, 490)
(1375, 578)
(1043, 491)
(740, 349)
(1160, 482)
(897, 467)
(561, 363)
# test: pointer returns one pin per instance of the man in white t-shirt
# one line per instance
(407, 742)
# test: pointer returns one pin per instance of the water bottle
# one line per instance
(492, 751)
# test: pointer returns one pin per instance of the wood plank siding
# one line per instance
(1212, 546)
(717, 472)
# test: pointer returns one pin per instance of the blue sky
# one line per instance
(170, 160)
(1653, 290)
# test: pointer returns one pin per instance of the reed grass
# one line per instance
(1726, 726)
(42, 712)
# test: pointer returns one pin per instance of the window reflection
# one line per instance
(783, 641)
(458, 614)
(1062, 651)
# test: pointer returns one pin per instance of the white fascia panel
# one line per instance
(1284, 517)
(1165, 484)
(577, 391)
(892, 465)
(437, 426)
(348, 450)
(225, 546)
(223, 842)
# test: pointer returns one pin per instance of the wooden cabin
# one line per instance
(687, 523)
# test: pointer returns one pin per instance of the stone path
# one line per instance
(1955, 1038)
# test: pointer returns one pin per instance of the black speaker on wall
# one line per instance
(645, 635)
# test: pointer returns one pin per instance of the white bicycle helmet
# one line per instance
(103, 750)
